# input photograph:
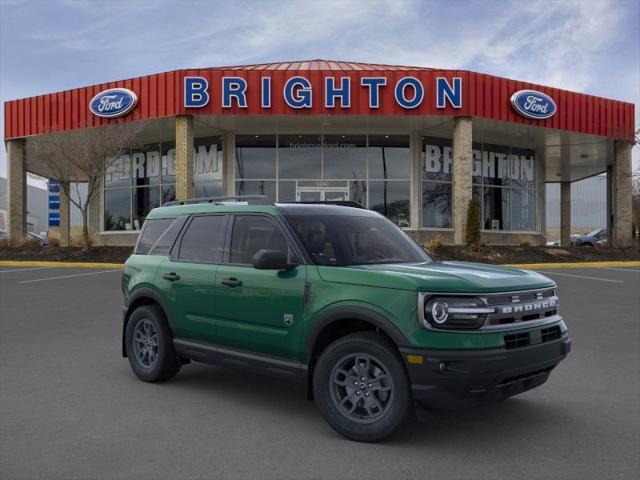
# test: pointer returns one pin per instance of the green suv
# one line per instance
(338, 297)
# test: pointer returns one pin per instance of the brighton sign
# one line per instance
(533, 104)
(438, 159)
(113, 103)
(408, 92)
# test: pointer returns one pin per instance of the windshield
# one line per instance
(594, 233)
(341, 240)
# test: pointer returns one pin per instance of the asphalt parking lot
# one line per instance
(70, 407)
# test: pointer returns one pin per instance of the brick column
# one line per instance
(228, 164)
(565, 213)
(184, 157)
(416, 180)
(462, 175)
(621, 184)
(16, 191)
(65, 217)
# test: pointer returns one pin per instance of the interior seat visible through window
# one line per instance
(252, 233)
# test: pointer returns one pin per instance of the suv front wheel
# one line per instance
(150, 346)
(361, 387)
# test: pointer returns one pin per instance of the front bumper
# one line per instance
(454, 379)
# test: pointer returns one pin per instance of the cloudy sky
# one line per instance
(583, 45)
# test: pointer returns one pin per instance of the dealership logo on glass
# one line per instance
(533, 104)
(113, 103)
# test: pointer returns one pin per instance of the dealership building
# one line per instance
(415, 144)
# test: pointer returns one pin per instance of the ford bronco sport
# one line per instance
(340, 298)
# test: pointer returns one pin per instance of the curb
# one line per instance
(531, 266)
(28, 263)
(547, 266)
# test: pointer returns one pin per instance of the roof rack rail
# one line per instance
(250, 199)
(341, 203)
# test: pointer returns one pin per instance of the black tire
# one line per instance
(152, 358)
(336, 387)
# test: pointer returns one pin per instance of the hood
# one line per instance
(453, 277)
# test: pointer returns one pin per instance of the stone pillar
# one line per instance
(610, 202)
(228, 164)
(565, 213)
(415, 147)
(65, 217)
(622, 190)
(184, 157)
(462, 175)
(16, 191)
(541, 193)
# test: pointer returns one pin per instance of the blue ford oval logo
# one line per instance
(533, 104)
(114, 102)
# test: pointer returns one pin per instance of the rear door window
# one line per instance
(167, 239)
(203, 241)
(151, 232)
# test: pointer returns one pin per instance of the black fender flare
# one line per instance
(356, 313)
(147, 293)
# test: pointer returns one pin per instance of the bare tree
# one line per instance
(82, 156)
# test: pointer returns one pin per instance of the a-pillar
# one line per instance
(16, 191)
(184, 157)
(462, 175)
(565, 213)
(65, 215)
(622, 190)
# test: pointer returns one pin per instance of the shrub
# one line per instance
(76, 239)
(28, 244)
(54, 242)
(525, 243)
(435, 243)
(472, 233)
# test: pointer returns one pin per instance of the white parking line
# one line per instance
(24, 269)
(67, 276)
(637, 270)
(546, 272)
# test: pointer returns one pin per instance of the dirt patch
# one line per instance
(486, 254)
(516, 254)
(65, 254)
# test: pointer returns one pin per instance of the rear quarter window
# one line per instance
(158, 235)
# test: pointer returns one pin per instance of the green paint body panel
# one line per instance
(252, 316)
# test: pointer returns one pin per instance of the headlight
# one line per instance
(455, 312)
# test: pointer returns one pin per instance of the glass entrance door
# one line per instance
(322, 191)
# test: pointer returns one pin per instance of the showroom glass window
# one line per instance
(437, 174)
(503, 185)
(373, 170)
(143, 177)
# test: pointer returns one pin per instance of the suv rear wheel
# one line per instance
(361, 387)
(150, 346)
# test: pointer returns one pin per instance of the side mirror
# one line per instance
(271, 260)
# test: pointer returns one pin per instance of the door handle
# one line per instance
(172, 277)
(231, 282)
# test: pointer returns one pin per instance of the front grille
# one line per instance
(519, 307)
(551, 333)
(516, 340)
(529, 296)
(523, 377)
(519, 340)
